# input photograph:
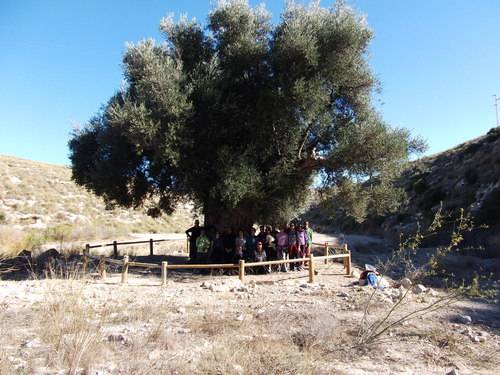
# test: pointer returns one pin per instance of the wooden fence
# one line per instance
(341, 253)
(115, 245)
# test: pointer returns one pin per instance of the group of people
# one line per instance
(292, 241)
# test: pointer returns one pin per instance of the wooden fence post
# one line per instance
(86, 254)
(325, 252)
(311, 268)
(115, 249)
(242, 271)
(164, 268)
(349, 264)
(125, 269)
(102, 267)
(151, 247)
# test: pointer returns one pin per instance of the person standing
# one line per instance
(301, 241)
(193, 233)
(293, 250)
(251, 244)
(282, 248)
(202, 247)
(309, 238)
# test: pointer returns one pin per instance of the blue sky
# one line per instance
(437, 61)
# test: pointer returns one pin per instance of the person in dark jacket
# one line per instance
(193, 233)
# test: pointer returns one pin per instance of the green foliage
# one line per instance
(243, 115)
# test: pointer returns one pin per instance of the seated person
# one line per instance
(260, 256)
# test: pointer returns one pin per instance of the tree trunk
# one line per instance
(222, 218)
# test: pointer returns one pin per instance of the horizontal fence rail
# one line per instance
(115, 245)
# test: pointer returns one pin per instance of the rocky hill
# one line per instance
(466, 176)
(39, 202)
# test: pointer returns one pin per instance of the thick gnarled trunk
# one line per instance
(222, 218)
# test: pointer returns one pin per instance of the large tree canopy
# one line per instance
(241, 115)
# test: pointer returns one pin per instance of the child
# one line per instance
(261, 256)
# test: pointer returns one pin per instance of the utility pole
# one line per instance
(496, 108)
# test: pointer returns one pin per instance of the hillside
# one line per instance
(39, 202)
(466, 176)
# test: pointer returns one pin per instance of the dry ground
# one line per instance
(198, 324)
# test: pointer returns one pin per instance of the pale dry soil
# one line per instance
(200, 324)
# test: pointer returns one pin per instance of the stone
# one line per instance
(205, 285)
(355, 273)
(419, 289)
(118, 338)
(240, 317)
(432, 292)
(154, 355)
(35, 343)
(464, 319)
(181, 310)
(475, 338)
(343, 294)
(383, 283)
(406, 283)
(453, 372)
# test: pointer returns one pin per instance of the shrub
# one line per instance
(493, 134)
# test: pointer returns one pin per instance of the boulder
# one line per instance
(464, 319)
(406, 283)
(419, 289)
